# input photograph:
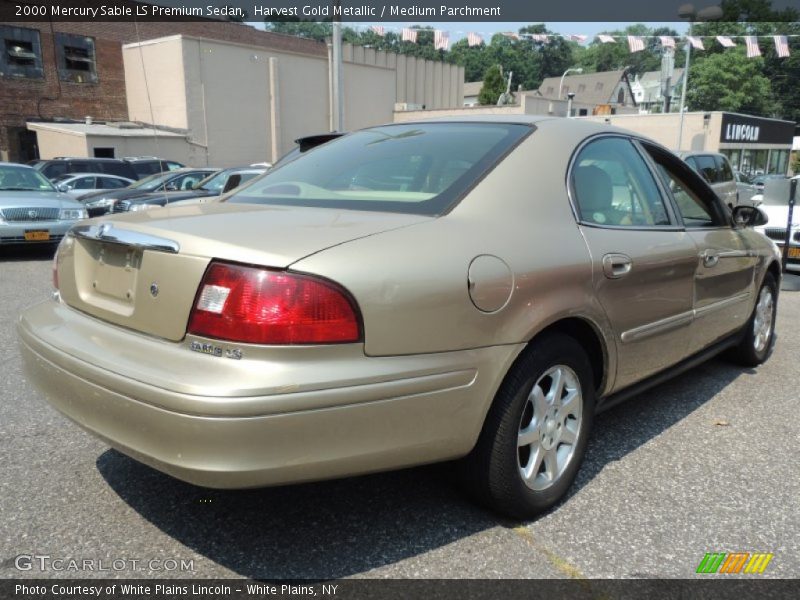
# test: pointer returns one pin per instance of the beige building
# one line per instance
(240, 104)
(754, 145)
(126, 139)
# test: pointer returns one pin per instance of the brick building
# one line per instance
(70, 70)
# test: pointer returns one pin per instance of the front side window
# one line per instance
(695, 201)
(723, 168)
(76, 58)
(21, 53)
(409, 168)
(612, 185)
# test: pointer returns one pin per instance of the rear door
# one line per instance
(725, 263)
(643, 261)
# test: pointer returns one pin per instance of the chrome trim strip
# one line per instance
(699, 312)
(676, 321)
(661, 326)
(106, 232)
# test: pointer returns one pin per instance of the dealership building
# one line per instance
(754, 145)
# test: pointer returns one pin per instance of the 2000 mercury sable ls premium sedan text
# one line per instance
(405, 294)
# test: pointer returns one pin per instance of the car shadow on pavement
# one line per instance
(23, 253)
(346, 527)
(312, 531)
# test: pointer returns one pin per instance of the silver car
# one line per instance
(718, 173)
(79, 184)
(31, 209)
(405, 294)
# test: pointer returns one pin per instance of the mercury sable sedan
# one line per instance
(405, 294)
(31, 209)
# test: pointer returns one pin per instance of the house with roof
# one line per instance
(603, 89)
(648, 91)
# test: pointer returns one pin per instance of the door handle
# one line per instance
(710, 259)
(616, 266)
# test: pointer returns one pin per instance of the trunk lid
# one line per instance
(142, 270)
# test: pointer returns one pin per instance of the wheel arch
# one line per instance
(588, 335)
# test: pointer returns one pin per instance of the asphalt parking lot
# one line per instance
(706, 463)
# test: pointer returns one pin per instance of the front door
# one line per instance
(725, 265)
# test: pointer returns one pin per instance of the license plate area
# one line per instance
(37, 235)
(794, 251)
(110, 276)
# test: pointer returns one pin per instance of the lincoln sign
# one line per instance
(755, 130)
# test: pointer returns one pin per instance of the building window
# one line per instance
(581, 87)
(598, 86)
(76, 58)
(621, 97)
(21, 53)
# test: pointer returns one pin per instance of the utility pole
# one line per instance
(337, 103)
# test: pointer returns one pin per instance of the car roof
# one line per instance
(68, 175)
(687, 154)
(13, 164)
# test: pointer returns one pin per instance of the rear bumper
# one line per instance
(403, 411)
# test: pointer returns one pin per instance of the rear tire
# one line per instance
(759, 336)
(534, 437)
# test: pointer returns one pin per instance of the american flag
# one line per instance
(539, 37)
(378, 29)
(635, 43)
(441, 39)
(725, 41)
(752, 46)
(606, 39)
(577, 38)
(782, 46)
(473, 39)
(667, 41)
(696, 42)
(409, 35)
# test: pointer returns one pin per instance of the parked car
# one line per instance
(82, 184)
(472, 289)
(306, 143)
(759, 181)
(151, 165)
(99, 203)
(56, 167)
(716, 170)
(212, 187)
(31, 209)
(776, 206)
(745, 189)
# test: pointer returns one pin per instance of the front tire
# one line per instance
(534, 437)
(759, 336)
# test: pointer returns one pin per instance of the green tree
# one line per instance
(730, 81)
(494, 84)
(614, 56)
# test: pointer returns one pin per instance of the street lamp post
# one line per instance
(570, 70)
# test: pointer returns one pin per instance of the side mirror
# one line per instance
(63, 187)
(749, 216)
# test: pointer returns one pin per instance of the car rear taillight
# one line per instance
(255, 305)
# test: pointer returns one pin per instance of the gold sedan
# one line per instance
(405, 294)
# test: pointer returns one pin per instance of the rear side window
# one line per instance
(109, 183)
(707, 168)
(723, 168)
(146, 167)
(409, 168)
(117, 168)
(612, 185)
(76, 166)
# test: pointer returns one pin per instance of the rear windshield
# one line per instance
(414, 168)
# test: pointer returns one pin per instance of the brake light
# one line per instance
(262, 306)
